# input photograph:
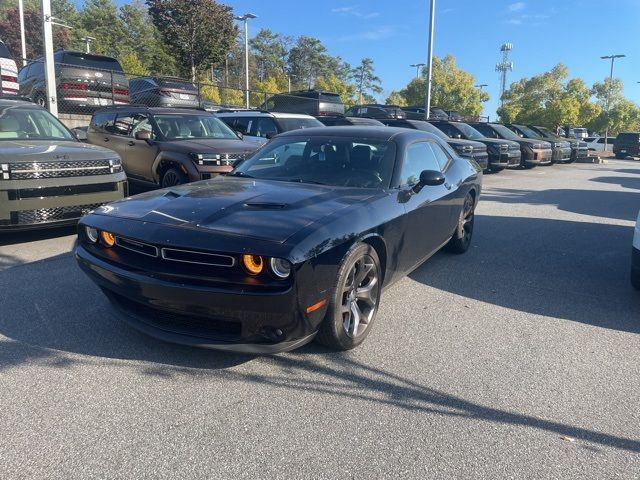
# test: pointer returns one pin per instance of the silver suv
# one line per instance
(47, 176)
(259, 126)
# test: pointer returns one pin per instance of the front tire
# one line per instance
(461, 239)
(173, 177)
(354, 303)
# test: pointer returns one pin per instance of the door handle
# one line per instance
(131, 143)
(106, 139)
(447, 185)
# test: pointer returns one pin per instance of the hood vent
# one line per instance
(265, 205)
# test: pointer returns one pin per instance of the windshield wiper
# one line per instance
(239, 174)
(302, 180)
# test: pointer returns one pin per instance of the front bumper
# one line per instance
(561, 155)
(504, 159)
(202, 315)
(481, 159)
(578, 153)
(54, 204)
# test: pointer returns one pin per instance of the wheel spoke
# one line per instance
(356, 315)
(363, 270)
(365, 293)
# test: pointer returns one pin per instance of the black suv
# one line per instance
(339, 120)
(164, 92)
(416, 112)
(579, 149)
(502, 153)
(376, 111)
(533, 152)
(561, 148)
(627, 144)
(84, 82)
(310, 102)
(167, 146)
(470, 149)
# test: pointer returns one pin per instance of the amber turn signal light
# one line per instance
(254, 264)
(108, 238)
(316, 306)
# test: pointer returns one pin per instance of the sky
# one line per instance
(394, 34)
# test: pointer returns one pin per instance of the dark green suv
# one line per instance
(47, 176)
(627, 144)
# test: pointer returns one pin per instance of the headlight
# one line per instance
(108, 238)
(536, 146)
(91, 234)
(254, 264)
(280, 267)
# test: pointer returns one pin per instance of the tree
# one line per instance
(201, 32)
(331, 83)
(549, 99)
(308, 60)
(99, 19)
(132, 65)
(452, 88)
(270, 51)
(366, 79)
(396, 98)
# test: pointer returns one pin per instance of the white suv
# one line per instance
(8, 72)
(635, 256)
(259, 126)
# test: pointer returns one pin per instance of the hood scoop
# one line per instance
(266, 205)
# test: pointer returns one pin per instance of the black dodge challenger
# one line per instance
(298, 242)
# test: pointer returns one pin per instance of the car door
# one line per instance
(428, 209)
(141, 154)
(117, 138)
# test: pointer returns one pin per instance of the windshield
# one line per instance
(469, 132)
(337, 161)
(189, 126)
(295, 123)
(31, 124)
(91, 61)
(526, 131)
(427, 127)
(504, 132)
(545, 132)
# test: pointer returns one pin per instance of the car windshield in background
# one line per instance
(546, 132)
(427, 127)
(31, 124)
(340, 162)
(177, 84)
(294, 123)
(182, 127)
(505, 132)
(528, 132)
(91, 61)
(470, 132)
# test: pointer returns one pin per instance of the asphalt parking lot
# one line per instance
(516, 360)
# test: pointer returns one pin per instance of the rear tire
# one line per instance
(173, 177)
(461, 239)
(354, 301)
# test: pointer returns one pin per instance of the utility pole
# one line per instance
(432, 23)
(361, 84)
(87, 43)
(417, 67)
(503, 67)
(22, 41)
(49, 68)
(606, 128)
(245, 19)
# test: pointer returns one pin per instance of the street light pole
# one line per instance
(481, 86)
(606, 128)
(432, 20)
(49, 69)
(87, 43)
(417, 67)
(245, 19)
(22, 41)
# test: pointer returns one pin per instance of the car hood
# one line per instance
(209, 146)
(471, 143)
(534, 141)
(51, 150)
(496, 142)
(263, 209)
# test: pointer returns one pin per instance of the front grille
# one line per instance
(178, 323)
(40, 170)
(479, 149)
(219, 159)
(504, 148)
(23, 193)
(44, 215)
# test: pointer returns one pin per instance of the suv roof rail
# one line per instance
(240, 110)
(9, 96)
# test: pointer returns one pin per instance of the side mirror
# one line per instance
(143, 135)
(239, 134)
(270, 135)
(431, 178)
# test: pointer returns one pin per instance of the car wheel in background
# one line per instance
(461, 238)
(354, 302)
(173, 177)
(40, 99)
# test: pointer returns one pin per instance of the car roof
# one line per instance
(10, 102)
(154, 110)
(262, 113)
(372, 132)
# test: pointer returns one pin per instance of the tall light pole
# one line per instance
(481, 86)
(289, 75)
(49, 68)
(244, 18)
(432, 23)
(606, 128)
(417, 67)
(22, 42)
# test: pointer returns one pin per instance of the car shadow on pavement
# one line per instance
(25, 236)
(625, 182)
(599, 203)
(577, 271)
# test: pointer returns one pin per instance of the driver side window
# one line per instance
(141, 123)
(419, 157)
